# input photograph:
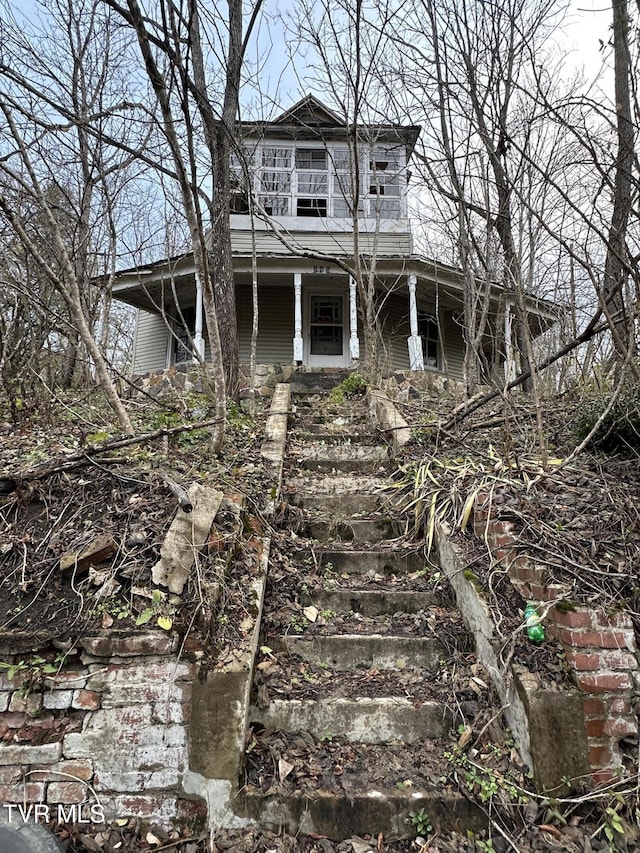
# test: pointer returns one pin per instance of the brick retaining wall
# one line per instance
(600, 646)
(114, 723)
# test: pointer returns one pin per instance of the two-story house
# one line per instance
(302, 175)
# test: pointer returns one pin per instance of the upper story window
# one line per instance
(290, 180)
(385, 182)
(275, 180)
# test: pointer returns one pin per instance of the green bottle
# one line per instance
(535, 629)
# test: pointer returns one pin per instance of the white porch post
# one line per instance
(198, 340)
(354, 341)
(509, 356)
(416, 360)
(297, 339)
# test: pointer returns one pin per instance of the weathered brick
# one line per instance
(141, 674)
(112, 645)
(160, 809)
(131, 781)
(599, 639)
(173, 713)
(69, 679)
(604, 682)
(620, 726)
(66, 792)
(48, 753)
(11, 684)
(86, 700)
(12, 775)
(617, 660)
(600, 756)
(31, 792)
(593, 707)
(119, 695)
(595, 727)
(572, 618)
(29, 704)
(603, 776)
(582, 661)
(57, 699)
(611, 620)
(619, 705)
(81, 768)
(5, 696)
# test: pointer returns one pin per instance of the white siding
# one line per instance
(325, 243)
(275, 323)
(150, 350)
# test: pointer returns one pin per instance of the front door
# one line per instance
(326, 344)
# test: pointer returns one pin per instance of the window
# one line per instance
(182, 346)
(275, 205)
(386, 174)
(429, 331)
(313, 183)
(277, 158)
(311, 207)
(311, 158)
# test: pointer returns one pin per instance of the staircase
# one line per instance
(365, 666)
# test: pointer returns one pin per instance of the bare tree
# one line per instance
(54, 95)
(176, 64)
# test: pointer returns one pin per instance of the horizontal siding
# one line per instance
(395, 320)
(328, 243)
(453, 346)
(275, 324)
(150, 346)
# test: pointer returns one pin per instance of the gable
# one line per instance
(309, 112)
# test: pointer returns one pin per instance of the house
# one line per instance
(299, 168)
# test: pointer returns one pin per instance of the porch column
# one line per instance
(198, 340)
(354, 341)
(509, 355)
(297, 321)
(416, 360)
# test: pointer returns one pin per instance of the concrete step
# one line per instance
(377, 527)
(361, 561)
(363, 651)
(363, 720)
(370, 602)
(343, 494)
(313, 383)
(358, 812)
(318, 456)
(355, 433)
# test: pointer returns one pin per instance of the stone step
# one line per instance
(371, 602)
(317, 456)
(362, 720)
(358, 651)
(369, 530)
(358, 812)
(380, 562)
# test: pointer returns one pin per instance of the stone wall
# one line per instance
(600, 646)
(111, 728)
(190, 379)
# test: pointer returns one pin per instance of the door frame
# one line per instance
(343, 360)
